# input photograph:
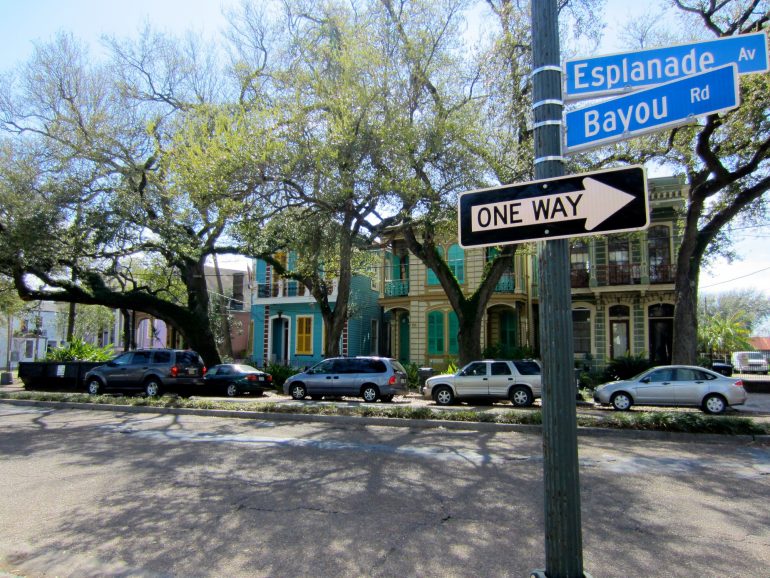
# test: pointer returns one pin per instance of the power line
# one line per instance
(736, 279)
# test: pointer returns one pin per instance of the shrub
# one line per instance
(412, 375)
(79, 350)
(280, 373)
(626, 367)
(500, 351)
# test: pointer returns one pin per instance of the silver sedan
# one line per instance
(674, 385)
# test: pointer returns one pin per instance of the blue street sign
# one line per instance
(627, 71)
(665, 106)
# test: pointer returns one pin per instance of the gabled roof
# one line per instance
(760, 343)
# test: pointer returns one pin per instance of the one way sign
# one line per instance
(608, 201)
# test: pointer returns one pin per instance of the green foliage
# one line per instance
(723, 333)
(412, 375)
(500, 351)
(79, 350)
(280, 373)
(626, 367)
(452, 368)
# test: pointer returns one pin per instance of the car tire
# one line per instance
(621, 401)
(153, 388)
(714, 404)
(521, 396)
(298, 391)
(444, 396)
(94, 386)
(370, 393)
(232, 390)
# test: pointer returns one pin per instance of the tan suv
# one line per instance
(517, 380)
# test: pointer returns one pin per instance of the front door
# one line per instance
(403, 338)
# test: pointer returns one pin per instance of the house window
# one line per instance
(456, 262)
(304, 336)
(659, 254)
(619, 261)
(453, 329)
(436, 333)
(578, 256)
(581, 330)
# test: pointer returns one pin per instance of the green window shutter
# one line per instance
(454, 328)
(456, 262)
(436, 333)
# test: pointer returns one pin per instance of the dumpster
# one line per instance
(55, 374)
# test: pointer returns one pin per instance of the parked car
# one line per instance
(517, 380)
(675, 385)
(749, 362)
(234, 379)
(723, 368)
(153, 371)
(371, 378)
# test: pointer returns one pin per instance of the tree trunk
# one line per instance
(685, 339)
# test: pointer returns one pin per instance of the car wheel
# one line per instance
(621, 401)
(714, 404)
(94, 386)
(152, 388)
(444, 396)
(298, 391)
(232, 390)
(521, 396)
(370, 393)
(387, 398)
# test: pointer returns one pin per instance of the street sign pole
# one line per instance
(563, 540)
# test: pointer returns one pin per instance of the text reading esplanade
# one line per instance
(623, 72)
(612, 200)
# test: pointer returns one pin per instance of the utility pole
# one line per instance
(563, 540)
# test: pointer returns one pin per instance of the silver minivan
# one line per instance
(371, 378)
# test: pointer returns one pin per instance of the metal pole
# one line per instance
(563, 541)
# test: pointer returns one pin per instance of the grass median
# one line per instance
(685, 422)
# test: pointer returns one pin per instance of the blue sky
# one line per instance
(23, 22)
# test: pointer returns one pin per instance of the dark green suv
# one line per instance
(153, 371)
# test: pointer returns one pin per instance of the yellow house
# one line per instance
(622, 294)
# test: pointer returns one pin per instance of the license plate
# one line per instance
(192, 371)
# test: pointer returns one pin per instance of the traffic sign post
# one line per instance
(665, 106)
(617, 73)
(609, 201)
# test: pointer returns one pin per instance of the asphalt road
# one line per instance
(96, 493)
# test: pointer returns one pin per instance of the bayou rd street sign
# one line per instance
(664, 106)
(617, 73)
(609, 201)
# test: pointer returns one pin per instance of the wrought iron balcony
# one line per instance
(397, 288)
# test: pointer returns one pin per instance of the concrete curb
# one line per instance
(397, 422)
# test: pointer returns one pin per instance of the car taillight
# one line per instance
(203, 371)
(251, 377)
(269, 377)
(174, 370)
(738, 383)
(392, 380)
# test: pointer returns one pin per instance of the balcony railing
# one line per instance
(622, 274)
(397, 288)
(285, 288)
(506, 284)
(662, 273)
